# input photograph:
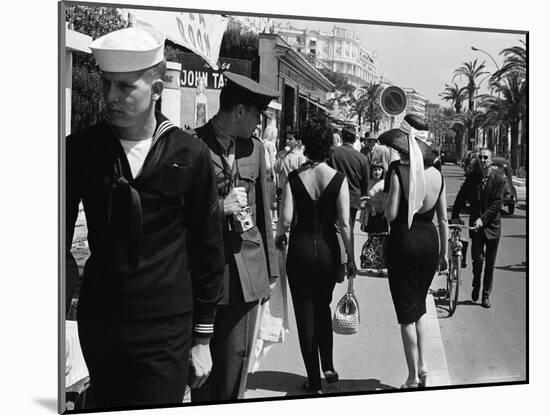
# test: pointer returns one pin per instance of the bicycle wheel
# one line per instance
(453, 283)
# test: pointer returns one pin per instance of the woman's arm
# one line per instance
(392, 201)
(285, 216)
(441, 211)
(342, 207)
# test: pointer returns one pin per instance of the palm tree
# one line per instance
(468, 119)
(455, 95)
(472, 71)
(513, 78)
(515, 61)
(366, 104)
(509, 107)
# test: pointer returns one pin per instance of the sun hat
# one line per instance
(398, 140)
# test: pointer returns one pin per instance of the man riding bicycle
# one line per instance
(484, 190)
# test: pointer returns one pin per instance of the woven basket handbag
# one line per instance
(346, 316)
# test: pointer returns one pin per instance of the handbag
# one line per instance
(346, 315)
(373, 252)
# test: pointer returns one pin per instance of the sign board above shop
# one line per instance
(193, 68)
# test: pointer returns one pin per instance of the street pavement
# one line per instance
(490, 345)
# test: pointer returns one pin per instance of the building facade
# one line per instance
(303, 89)
(416, 102)
(339, 50)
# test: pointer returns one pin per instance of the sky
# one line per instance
(423, 58)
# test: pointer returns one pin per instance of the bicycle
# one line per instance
(455, 264)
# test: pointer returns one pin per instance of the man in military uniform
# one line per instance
(250, 256)
(154, 275)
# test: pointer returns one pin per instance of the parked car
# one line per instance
(448, 157)
(510, 194)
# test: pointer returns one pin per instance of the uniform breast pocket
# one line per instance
(174, 179)
(248, 173)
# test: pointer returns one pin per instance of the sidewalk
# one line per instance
(518, 182)
(371, 360)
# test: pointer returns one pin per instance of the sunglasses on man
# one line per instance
(483, 157)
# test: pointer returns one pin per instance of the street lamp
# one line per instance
(481, 50)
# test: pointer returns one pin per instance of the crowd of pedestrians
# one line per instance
(180, 230)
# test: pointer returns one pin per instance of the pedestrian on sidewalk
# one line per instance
(269, 140)
(416, 192)
(154, 275)
(318, 196)
(288, 159)
(373, 221)
(250, 256)
(484, 190)
(355, 166)
(374, 151)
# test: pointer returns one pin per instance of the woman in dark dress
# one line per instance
(315, 198)
(416, 192)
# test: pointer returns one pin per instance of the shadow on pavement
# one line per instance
(442, 303)
(371, 274)
(291, 383)
(522, 267)
(506, 215)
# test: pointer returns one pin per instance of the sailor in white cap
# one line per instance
(250, 255)
(155, 273)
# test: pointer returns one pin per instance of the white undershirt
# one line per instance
(136, 151)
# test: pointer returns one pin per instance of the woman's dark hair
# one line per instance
(376, 165)
(316, 136)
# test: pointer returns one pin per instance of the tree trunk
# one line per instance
(514, 137)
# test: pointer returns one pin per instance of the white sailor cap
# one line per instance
(129, 50)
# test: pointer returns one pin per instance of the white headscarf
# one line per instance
(417, 181)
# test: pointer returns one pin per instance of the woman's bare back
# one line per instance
(316, 179)
(433, 180)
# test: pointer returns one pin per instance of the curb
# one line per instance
(437, 359)
(518, 182)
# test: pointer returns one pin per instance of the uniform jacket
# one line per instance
(485, 204)
(155, 240)
(250, 254)
(355, 167)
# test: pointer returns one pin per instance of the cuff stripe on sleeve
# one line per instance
(204, 328)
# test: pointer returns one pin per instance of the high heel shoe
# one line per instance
(410, 385)
(308, 387)
(331, 376)
(423, 380)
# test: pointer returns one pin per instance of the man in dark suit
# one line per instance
(484, 191)
(250, 256)
(355, 166)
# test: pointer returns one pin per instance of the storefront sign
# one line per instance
(194, 68)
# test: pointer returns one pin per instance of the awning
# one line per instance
(315, 103)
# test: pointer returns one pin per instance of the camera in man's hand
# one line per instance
(243, 219)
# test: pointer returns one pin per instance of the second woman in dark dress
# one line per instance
(315, 198)
(416, 192)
